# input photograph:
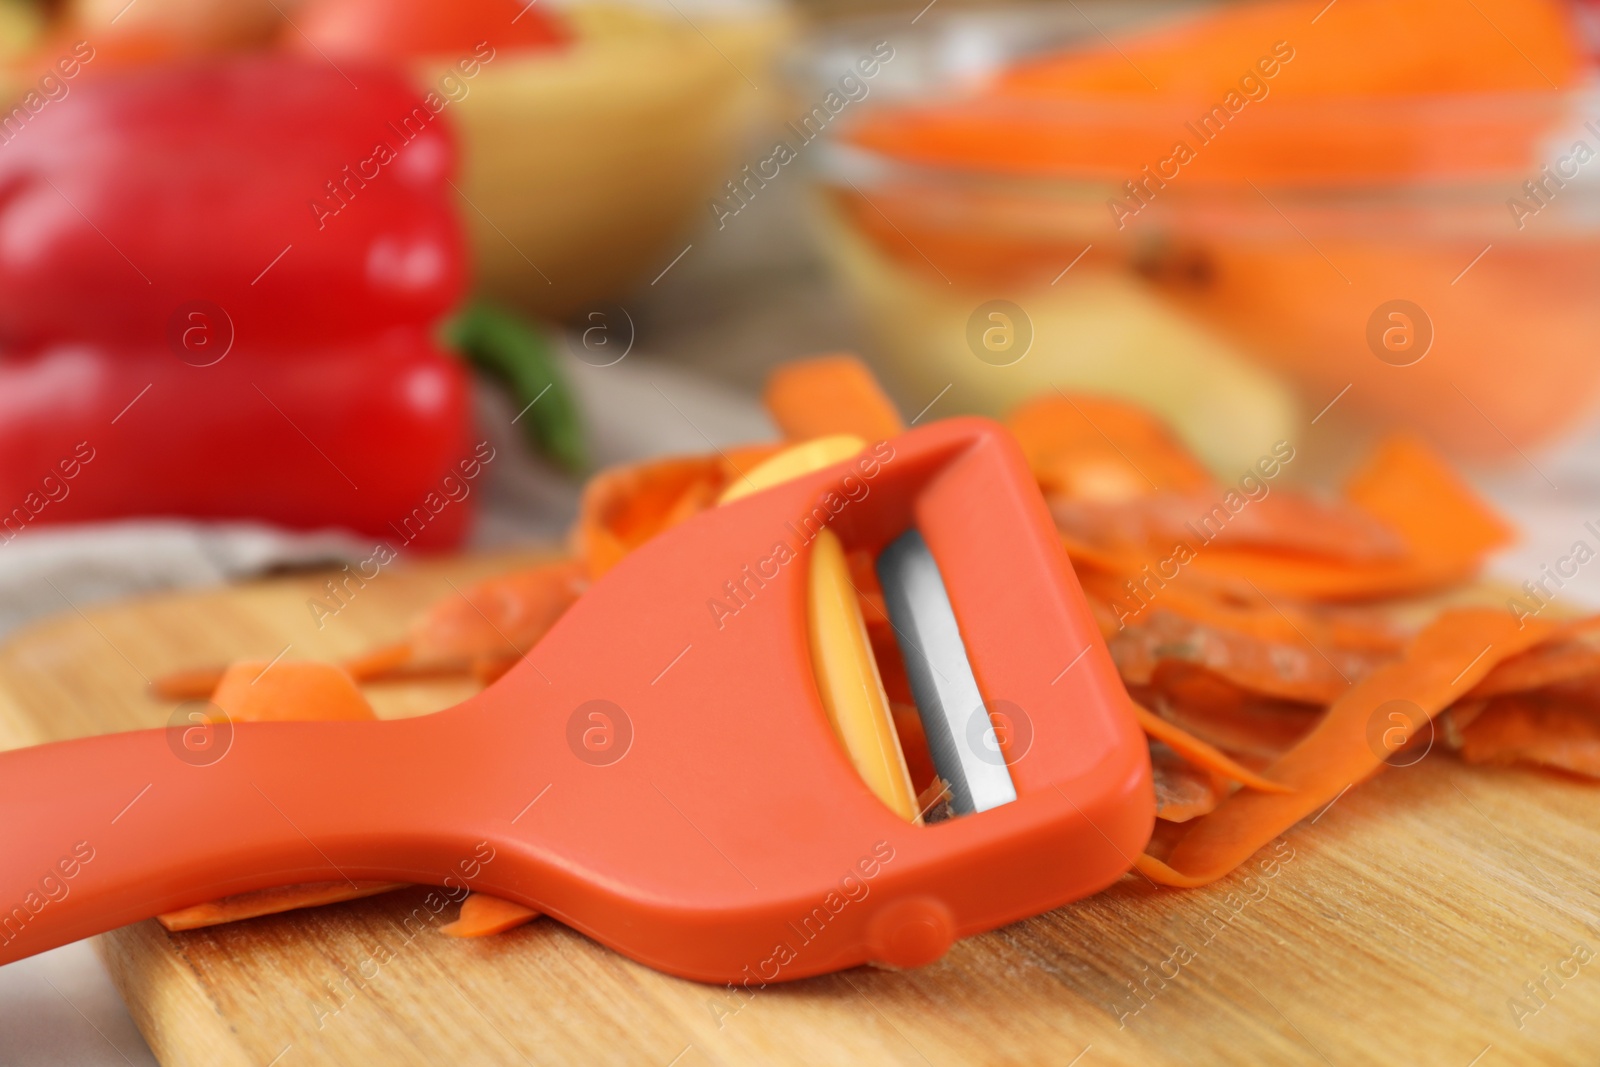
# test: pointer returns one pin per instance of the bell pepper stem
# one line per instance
(508, 348)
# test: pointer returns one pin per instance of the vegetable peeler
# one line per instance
(671, 770)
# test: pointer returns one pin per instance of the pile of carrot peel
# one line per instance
(1279, 646)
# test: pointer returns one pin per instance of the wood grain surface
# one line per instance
(1440, 914)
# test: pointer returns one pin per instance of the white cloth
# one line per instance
(47, 569)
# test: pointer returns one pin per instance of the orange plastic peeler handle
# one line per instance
(105, 831)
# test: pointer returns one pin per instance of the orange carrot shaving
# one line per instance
(1294, 669)
(500, 616)
(1443, 530)
(481, 630)
(1306, 578)
(932, 796)
(1446, 660)
(486, 670)
(1183, 791)
(1446, 529)
(196, 683)
(1538, 729)
(1094, 448)
(624, 507)
(386, 663)
(830, 395)
(482, 915)
(271, 902)
(1333, 581)
(1407, 487)
(1284, 521)
(1246, 614)
(1573, 656)
(289, 691)
(1251, 728)
(1201, 754)
(379, 662)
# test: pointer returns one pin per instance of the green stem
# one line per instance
(504, 346)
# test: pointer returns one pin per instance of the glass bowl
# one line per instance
(1378, 263)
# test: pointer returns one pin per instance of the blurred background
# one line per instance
(281, 280)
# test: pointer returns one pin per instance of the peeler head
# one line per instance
(701, 816)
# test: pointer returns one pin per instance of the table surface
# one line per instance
(1400, 925)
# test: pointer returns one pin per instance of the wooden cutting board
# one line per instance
(1404, 924)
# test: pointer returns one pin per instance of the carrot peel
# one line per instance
(1198, 752)
(830, 395)
(1445, 661)
(482, 915)
(270, 902)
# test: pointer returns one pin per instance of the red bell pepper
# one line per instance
(404, 29)
(220, 290)
(309, 201)
(369, 435)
